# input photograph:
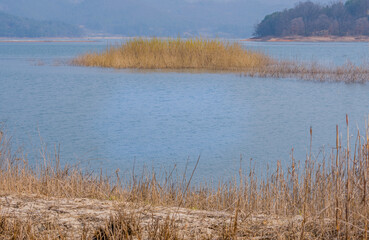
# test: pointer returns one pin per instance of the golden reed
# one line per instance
(175, 54)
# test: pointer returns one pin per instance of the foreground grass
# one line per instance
(318, 199)
(214, 55)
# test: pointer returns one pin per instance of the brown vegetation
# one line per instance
(175, 54)
(347, 73)
(313, 199)
(214, 55)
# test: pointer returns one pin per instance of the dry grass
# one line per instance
(175, 54)
(214, 55)
(321, 199)
(14, 229)
(347, 73)
(127, 226)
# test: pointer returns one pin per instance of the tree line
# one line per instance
(312, 19)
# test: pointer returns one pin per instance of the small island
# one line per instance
(314, 22)
(206, 55)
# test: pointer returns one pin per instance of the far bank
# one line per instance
(310, 39)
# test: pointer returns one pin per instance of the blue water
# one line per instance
(109, 119)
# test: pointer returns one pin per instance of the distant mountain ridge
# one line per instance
(310, 19)
(13, 26)
(207, 18)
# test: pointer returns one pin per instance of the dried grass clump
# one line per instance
(131, 226)
(176, 54)
(13, 228)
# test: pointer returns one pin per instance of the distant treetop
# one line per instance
(311, 19)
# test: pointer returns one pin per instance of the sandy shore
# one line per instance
(73, 215)
(311, 39)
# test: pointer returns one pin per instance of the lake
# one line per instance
(109, 119)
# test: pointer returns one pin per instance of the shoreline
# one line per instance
(65, 202)
(310, 39)
(253, 39)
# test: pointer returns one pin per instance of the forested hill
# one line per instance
(12, 26)
(311, 19)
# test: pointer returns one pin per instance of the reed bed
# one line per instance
(214, 55)
(323, 198)
(347, 73)
(175, 54)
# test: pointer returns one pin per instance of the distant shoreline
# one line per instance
(43, 41)
(311, 39)
(57, 40)
(263, 39)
